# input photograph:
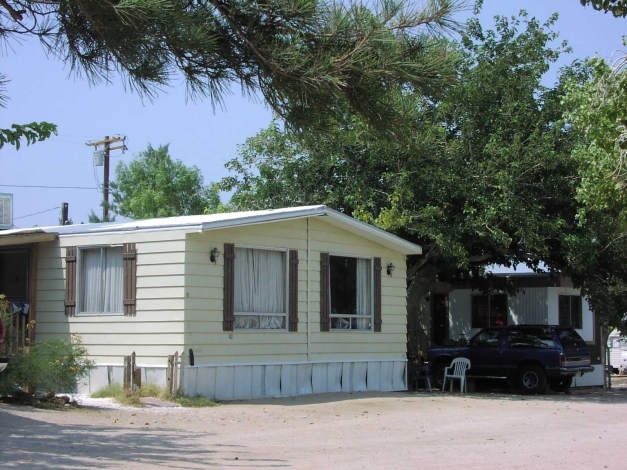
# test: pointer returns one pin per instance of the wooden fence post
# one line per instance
(133, 367)
(170, 374)
(128, 371)
(175, 375)
(181, 373)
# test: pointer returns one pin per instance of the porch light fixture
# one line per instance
(390, 269)
(215, 254)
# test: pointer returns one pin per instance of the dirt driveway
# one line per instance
(585, 430)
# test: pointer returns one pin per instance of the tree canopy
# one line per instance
(484, 176)
(155, 185)
(306, 58)
(617, 7)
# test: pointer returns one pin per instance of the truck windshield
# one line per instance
(570, 338)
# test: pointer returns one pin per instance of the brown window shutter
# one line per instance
(293, 291)
(70, 281)
(325, 286)
(377, 295)
(229, 287)
(129, 256)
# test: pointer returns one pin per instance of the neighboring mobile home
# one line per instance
(544, 300)
(267, 303)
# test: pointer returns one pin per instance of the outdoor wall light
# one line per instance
(390, 269)
(215, 254)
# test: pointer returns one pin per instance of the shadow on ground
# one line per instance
(30, 443)
(615, 396)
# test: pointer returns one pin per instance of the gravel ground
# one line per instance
(583, 430)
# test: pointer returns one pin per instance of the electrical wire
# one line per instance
(36, 213)
(43, 187)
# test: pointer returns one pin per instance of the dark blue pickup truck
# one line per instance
(531, 356)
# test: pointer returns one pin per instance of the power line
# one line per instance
(43, 187)
(36, 213)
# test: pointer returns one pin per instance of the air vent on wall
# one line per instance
(6, 211)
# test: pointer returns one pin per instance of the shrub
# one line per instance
(52, 367)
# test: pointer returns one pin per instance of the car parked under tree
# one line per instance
(530, 356)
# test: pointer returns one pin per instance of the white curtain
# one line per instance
(91, 298)
(102, 280)
(364, 296)
(113, 280)
(259, 287)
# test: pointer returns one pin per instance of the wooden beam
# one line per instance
(32, 289)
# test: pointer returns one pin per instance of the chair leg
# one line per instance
(451, 385)
(444, 383)
(462, 386)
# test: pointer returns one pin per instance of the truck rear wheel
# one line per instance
(438, 374)
(561, 384)
(532, 379)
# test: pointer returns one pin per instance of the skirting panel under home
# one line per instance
(239, 382)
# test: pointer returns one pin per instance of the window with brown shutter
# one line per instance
(129, 256)
(377, 295)
(352, 293)
(293, 291)
(70, 281)
(103, 280)
(325, 296)
(229, 287)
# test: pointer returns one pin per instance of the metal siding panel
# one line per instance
(529, 306)
(190, 381)
(360, 373)
(273, 381)
(387, 375)
(258, 385)
(346, 376)
(334, 383)
(224, 383)
(373, 379)
(288, 380)
(303, 379)
(398, 380)
(319, 378)
(202, 382)
(243, 382)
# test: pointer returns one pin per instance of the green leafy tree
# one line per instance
(305, 57)
(155, 185)
(16, 133)
(598, 109)
(485, 175)
(617, 7)
(94, 218)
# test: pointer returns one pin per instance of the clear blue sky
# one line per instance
(41, 89)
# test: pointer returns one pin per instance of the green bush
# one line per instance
(51, 367)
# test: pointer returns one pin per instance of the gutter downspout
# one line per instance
(308, 292)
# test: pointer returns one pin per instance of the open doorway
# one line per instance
(14, 274)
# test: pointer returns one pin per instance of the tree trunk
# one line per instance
(607, 379)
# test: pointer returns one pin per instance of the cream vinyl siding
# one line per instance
(203, 306)
(156, 330)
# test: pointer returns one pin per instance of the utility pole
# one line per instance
(106, 143)
(64, 213)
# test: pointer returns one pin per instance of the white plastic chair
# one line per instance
(457, 370)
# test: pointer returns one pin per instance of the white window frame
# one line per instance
(79, 282)
(286, 291)
(360, 317)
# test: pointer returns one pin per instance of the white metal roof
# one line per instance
(202, 223)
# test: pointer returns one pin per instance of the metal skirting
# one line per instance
(240, 382)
